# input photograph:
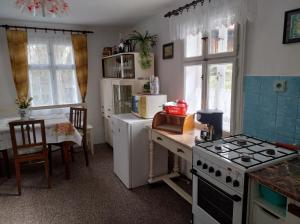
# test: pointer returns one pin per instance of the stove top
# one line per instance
(244, 151)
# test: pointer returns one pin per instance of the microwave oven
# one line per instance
(146, 106)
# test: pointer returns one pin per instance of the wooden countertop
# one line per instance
(283, 177)
(186, 139)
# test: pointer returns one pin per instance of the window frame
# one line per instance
(52, 67)
(219, 58)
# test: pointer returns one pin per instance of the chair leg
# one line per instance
(6, 163)
(72, 153)
(18, 176)
(47, 172)
(50, 159)
(85, 153)
(62, 156)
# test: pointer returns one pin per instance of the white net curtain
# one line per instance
(204, 18)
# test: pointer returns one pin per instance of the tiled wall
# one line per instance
(271, 115)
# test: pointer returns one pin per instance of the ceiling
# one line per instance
(93, 12)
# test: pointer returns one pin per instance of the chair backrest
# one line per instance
(27, 134)
(78, 117)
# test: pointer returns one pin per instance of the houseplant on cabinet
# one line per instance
(145, 42)
(24, 107)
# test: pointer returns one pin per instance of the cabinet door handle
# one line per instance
(159, 138)
(180, 150)
(269, 213)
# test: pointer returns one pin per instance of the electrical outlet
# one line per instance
(280, 85)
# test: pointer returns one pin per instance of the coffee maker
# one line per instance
(213, 122)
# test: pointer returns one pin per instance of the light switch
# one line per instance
(280, 85)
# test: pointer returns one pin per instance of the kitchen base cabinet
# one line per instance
(265, 212)
(263, 216)
(131, 150)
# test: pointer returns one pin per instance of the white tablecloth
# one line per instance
(55, 131)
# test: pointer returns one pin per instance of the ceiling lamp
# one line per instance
(43, 7)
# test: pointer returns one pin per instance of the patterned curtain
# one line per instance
(79, 42)
(17, 45)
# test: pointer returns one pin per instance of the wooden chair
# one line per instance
(78, 117)
(6, 162)
(27, 147)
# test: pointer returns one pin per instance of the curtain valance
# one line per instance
(211, 15)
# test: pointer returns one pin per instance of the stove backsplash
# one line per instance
(271, 115)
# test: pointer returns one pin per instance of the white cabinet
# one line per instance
(121, 145)
(116, 99)
(131, 154)
(263, 216)
(126, 66)
(262, 211)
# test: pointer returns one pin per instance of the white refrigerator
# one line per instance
(131, 150)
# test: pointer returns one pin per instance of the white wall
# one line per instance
(265, 53)
(103, 36)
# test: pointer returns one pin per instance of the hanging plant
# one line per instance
(145, 42)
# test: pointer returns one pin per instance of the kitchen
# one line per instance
(230, 153)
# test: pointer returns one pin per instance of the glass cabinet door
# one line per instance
(122, 98)
(128, 66)
(112, 67)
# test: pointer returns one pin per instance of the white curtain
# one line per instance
(211, 15)
(52, 75)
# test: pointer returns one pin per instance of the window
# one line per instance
(193, 45)
(209, 73)
(52, 74)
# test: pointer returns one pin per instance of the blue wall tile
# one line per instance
(267, 85)
(287, 106)
(298, 109)
(293, 86)
(271, 115)
(298, 128)
(252, 84)
(268, 104)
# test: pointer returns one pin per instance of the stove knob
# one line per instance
(204, 166)
(236, 183)
(199, 163)
(211, 169)
(228, 179)
(218, 173)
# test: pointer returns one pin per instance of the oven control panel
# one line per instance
(219, 170)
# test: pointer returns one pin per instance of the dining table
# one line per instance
(58, 129)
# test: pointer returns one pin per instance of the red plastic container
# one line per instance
(179, 109)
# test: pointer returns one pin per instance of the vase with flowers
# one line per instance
(24, 107)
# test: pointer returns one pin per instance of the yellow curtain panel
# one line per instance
(79, 42)
(17, 45)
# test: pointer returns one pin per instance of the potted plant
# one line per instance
(24, 107)
(145, 42)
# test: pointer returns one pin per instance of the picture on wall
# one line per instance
(168, 51)
(291, 33)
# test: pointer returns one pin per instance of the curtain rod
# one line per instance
(186, 7)
(46, 29)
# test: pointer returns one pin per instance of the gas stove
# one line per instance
(244, 152)
(222, 166)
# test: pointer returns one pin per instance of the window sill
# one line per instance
(57, 106)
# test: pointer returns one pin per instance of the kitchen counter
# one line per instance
(283, 177)
(186, 139)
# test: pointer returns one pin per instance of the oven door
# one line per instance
(215, 203)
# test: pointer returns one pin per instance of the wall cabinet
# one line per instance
(125, 66)
(116, 99)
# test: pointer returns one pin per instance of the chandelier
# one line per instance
(43, 7)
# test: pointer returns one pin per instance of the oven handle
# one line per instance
(235, 197)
